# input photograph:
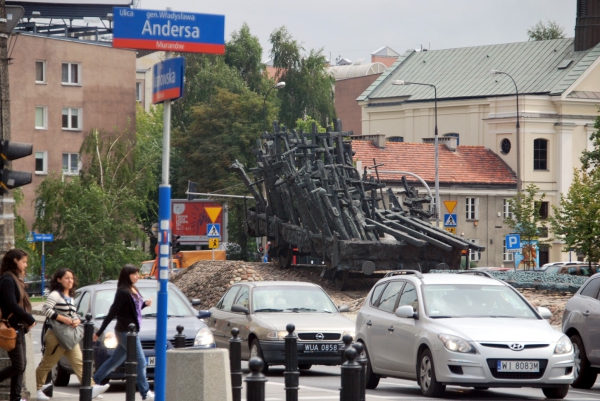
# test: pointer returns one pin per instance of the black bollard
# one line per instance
(362, 360)
(131, 364)
(255, 381)
(235, 364)
(347, 339)
(291, 364)
(350, 377)
(180, 337)
(85, 391)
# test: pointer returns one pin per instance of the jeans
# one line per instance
(15, 371)
(118, 357)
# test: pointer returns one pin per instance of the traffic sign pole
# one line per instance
(43, 267)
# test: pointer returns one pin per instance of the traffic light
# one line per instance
(193, 188)
(12, 151)
(175, 244)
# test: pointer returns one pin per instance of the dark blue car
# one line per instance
(97, 299)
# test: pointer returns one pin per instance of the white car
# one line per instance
(467, 330)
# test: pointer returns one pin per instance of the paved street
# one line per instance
(322, 383)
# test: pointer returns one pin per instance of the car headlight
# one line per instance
(456, 344)
(563, 346)
(204, 337)
(352, 334)
(110, 340)
(277, 335)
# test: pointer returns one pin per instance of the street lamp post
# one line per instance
(437, 177)
(518, 126)
(278, 85)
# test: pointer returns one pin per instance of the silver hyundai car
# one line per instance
(467, 330)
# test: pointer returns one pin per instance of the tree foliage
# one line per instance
(308, 86)
(243, 52)
(525, 210)
(541, 31)
(590, 159)
(577, 218)
(305, 124)
(22, 232)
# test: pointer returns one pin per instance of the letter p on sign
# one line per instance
(513, 241)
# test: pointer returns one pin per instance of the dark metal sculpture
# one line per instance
(310, 199)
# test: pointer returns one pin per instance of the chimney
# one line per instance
(587, 24)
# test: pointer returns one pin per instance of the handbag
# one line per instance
(68, 337)
(8, 335)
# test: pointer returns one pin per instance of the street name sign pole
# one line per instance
(43, 238)
(168, 31)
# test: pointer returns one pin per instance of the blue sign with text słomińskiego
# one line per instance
(167, 80)
(168, 31)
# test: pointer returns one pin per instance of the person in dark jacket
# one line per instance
(16, 308)
(127, 308)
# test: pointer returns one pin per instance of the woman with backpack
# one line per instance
(127, 308)
(61, 308)
(16, 310)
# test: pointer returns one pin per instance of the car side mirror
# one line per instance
(203, 314)
(343, 308)
(240, 309)
(405, 311)
(544, 312)
(196, 302)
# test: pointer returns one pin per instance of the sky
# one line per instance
(353, 29)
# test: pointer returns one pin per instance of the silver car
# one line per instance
(468, 330)
(262, 310)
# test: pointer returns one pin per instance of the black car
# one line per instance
(97, 299)
(33, 285)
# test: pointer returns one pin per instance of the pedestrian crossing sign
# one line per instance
(450, 220)
(213, 230)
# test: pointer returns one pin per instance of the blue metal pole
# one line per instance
(43, 267)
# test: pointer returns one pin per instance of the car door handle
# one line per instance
(391, 328)
(586, 313)
(369, 323)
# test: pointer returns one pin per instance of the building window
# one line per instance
(71, 118)
(542, 232)
(41, 117)
(41, 162)
(474, 256)
(40, 72)
(396, 139)
(505, 146)
(472, 208)
(71, 73)
(138, 91)
(543, 210)
(506, 256)
(540, 154)
(506, 210)
(70, 163)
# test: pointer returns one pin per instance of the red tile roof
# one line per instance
(466, 165)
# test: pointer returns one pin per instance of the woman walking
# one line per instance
(60, 307)
(16, 308)
(127, 308)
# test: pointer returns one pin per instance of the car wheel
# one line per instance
(430, 387)
(60, 377)
(256, 352)
(557, 393)
(585, 376)
(372, 379)
(304, 366)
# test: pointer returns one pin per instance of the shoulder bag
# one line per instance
(68, 337)
(8, 335)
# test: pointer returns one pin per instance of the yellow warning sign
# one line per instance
(450, 205)
(213, 243)
(213, 212)
(451, 230)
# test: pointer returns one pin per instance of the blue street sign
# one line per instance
(168, 31)
(450, 220)
(513, 242)
(167, 82)
(43, 237)
(213, 230)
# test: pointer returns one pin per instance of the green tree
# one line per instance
(308, 86)
(305, 124)
(21, 234)
(541, 31)
(577, 218)
(95, 216)
(243, 52)
(590, 159)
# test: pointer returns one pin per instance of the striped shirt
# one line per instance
(55, 304)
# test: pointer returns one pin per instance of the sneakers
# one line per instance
(41, 396)
(149, 396)
(99, 389)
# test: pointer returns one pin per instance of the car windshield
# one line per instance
(177, 307)
(553, 269)
(146, 268)
(469, 300)
(291, 299)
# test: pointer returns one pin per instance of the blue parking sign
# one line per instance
(513, 242)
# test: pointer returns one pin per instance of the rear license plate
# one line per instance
(518, 366)
(150, 361)
(309, 348)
